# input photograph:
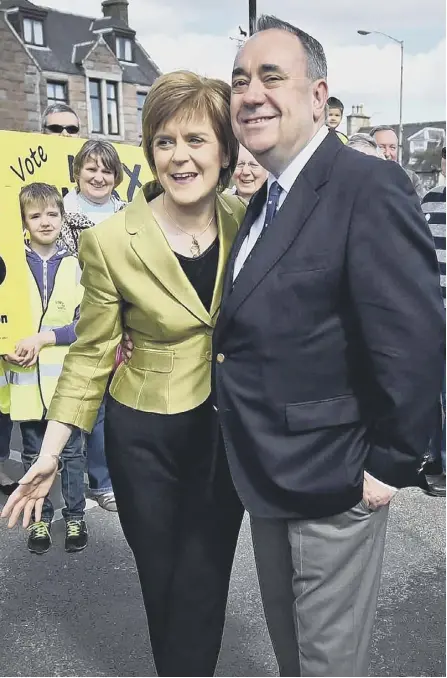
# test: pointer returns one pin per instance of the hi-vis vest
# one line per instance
(4, 387)
(32, 388)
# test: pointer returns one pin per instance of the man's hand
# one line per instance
(376, 494)
(126, 347)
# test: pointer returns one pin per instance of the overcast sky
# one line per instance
(195, 34)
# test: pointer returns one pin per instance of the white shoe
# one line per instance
(106, 501)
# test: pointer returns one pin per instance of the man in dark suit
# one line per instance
(325, 374)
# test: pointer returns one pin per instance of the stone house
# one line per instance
(97, 66)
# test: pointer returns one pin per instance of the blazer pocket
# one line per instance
(152, 360)
(312, 415)
(314, 262)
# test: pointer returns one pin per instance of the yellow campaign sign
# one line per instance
(28, 157)
(15, 309)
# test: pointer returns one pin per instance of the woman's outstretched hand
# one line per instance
(32, 490)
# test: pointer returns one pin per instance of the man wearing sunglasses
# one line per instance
(61, 120)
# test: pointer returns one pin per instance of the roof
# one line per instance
(63, 31)
(11, 4)
(108, 22)
(80, 51)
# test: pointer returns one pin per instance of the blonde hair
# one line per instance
(186, 94)
(41, 195)
(96, 148)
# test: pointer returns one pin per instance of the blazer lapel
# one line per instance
(285, 228)
(253, 210)
(227, 226)
(150, 245)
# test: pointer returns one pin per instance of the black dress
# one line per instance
(180, 518)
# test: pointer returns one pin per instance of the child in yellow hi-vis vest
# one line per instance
(34, 368)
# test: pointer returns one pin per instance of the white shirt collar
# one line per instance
(288, 177)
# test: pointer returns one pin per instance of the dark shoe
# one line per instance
(436, 486)
(9, 489)
(76, 535)
(39, 540)
(106, 501)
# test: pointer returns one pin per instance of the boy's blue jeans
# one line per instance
(5, 436)
(98, 473)
(72, 471)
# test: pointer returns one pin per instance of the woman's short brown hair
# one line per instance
(183, 93)
(96, 148)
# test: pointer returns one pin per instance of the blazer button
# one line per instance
(220, 358)
(209, 356)
(209, 331)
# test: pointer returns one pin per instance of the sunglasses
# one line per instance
(58, 129)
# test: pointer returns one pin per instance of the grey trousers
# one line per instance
(319, 582)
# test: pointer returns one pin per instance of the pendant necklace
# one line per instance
(195, 246)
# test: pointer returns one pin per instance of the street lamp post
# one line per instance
(251, 16)
(401, 43)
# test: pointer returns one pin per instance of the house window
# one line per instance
(141, 98)
(57, 92)
(104, 107)
(95, 105)
(112, 108)
(124, 49)
(33, 32)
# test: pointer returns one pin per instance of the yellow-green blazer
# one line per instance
(133, 280)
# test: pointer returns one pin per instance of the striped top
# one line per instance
(433, 206)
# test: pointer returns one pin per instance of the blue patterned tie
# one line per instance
(272, 208)
(272, 204)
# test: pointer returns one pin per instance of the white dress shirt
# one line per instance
(286, 181)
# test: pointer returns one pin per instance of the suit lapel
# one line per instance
(227, 226)
(150, 245)
(253, 211)
(285, 228)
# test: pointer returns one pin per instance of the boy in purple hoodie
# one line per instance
(35, 365)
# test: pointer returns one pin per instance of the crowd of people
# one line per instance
(260, 329)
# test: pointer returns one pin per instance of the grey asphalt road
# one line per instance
(82, 615)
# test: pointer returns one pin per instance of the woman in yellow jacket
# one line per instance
(156, 268)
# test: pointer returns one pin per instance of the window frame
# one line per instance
(32, 22)
(98, 98)
(55, 83)
(121, 42)
(104, 80)
(115, 100)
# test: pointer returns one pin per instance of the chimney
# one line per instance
(116, 9)
(356, 120)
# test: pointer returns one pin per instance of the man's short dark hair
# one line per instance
(57, 108)
(333, 102)
(316, 59)
(382, 128)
